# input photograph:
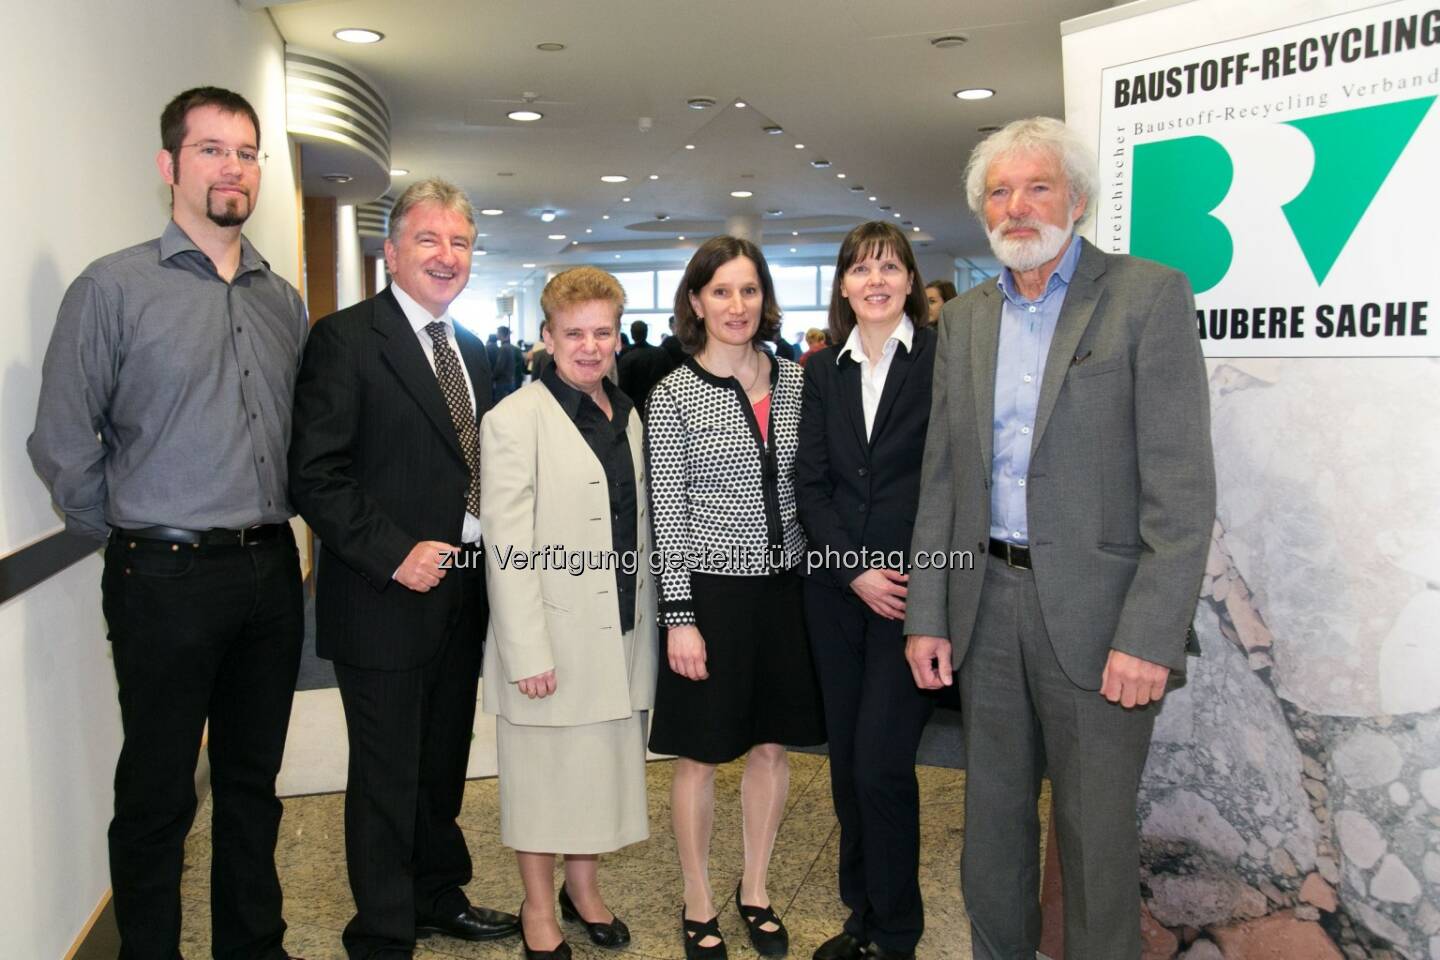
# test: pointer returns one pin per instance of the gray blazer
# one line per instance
(1121, 498)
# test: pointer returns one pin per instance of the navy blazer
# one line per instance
(856, 493)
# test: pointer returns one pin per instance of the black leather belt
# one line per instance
(214, 537)
(1013, 554)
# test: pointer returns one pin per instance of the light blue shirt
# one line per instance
(1026, 329)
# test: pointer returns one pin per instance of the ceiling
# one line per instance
(857, 83)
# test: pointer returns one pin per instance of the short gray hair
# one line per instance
(430, 190)
(1035, 133)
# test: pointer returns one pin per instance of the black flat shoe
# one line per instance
(561, 952)
(767, 943)
(695, 930)
(842, 946)
(473, 923)
(612, 934)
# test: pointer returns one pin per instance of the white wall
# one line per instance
(84, 85)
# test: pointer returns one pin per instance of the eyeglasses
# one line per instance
(248, 156)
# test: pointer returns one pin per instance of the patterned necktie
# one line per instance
(457, 398)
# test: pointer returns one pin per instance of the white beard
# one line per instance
(1021, 254)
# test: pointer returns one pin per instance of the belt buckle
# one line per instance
(243, 541)
(1010, 556)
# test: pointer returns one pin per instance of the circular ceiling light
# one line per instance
(528, 266)
(949, 42)
(774, 213)
(617, 256)
(359, 35)
(547, 216)
(915, 229)
(604, 216)
(337, 178)
(556, 236)
(689, 146)
(794, 233)
(839, 176)
(741, 194)
(614, 178)
(774, 130)
(399, 172)
(525, 116)
(974, 93)
(680, 237)
(700, 103)
(550, 47)
(741, 104)
(654, 176)
(624, 199)
(588, 230)
(491, 212)
(872, 199)
(793, 250)
(662, 216)
(819, 164)
(799, 146)
(479, 251)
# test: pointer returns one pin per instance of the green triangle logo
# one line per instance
(1354, 153)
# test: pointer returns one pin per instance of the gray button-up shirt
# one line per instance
(166, 391)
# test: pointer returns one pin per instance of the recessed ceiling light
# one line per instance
(662, 216)
(525, 116)
(857, 189)
(774, 129)
(491, 212)
(988, 128)
(884, 206)
(799, 146)
(839, 176)
(741, 194)
(399, 172)
(794, 233)
(604, 216)
(588, 230)
(689, 146)
(528, 266)
(774, 213)
(614, 178)
(654, 176)
(872, 199)
(482, 235)
(547, 216)
(556, 236)
(915, 229)
(741, 104)
(617, 256)
(359, 35)
(480, 251)
(819, 164)
(337, 177)
(950, 41)
(792, 249)
(574, 243)
(974, 93)
(700, 103)
(550, 47)
(624, 199)
(897, 216)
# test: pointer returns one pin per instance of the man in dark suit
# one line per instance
(1070, 442)
(384, 465)
(640, 370)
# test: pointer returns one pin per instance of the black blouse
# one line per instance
(607, 439)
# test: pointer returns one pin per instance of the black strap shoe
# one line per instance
(611, 934)
(767, 943)
(695, 930)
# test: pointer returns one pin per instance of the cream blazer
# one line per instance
(545, 516)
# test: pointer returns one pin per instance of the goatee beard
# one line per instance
(228, 215)
(1023, 255)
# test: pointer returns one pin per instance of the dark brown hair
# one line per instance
(175, 118)
(945, 288)
(874, 239)
(712, 255)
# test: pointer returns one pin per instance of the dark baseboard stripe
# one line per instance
(41, 560)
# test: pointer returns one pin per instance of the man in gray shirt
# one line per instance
(162, 428)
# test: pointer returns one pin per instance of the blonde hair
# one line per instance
(582, 285)
(434, 190)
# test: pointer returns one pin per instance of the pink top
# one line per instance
(762, 416)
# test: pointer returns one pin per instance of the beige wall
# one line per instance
(84, 84)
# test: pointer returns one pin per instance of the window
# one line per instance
(639, 289)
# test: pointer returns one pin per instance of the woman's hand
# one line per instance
(883, 591)
(687, 652)
(539, 686)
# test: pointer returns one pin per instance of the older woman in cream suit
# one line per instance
(570, 660)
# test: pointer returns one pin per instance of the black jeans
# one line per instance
(201, 633)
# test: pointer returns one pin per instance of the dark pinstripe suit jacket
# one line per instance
(376, 467)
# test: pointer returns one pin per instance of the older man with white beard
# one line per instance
(1070, 447)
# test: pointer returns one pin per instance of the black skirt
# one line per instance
(762, 686)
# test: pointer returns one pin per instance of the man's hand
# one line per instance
(929, 659)
(687, 652)
(539, 686)
(883, 591)
(1131, 681)
(424, 566)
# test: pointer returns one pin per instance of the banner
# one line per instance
(1292, 174)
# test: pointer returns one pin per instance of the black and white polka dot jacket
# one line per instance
(722, 501)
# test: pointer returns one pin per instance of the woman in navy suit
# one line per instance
(862, 435)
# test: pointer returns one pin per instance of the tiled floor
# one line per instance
(641, 883)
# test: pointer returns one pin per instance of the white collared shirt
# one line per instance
(419, 318)
(872, 377)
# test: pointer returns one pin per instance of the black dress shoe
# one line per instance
(874, 951)
(472, 923)
(559, 952)
(612, 934)
(767, 943)
(842, 946)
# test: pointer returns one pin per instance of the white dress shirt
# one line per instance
(419, 318)
(872, 376)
